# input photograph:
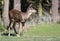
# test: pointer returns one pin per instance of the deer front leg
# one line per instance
(22, 28)
(19, 30)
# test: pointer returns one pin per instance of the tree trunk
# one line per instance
(5, 14)
(17, 5)
(40, 9)
(54, 10)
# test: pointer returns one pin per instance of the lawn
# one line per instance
(40, 32)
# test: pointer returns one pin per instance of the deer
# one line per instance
(20, 17)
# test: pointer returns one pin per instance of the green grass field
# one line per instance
(40, 32)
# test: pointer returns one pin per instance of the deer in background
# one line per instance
(19, 17)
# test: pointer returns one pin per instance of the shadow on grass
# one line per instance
(6, 34)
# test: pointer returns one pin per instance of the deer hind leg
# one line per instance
(9, 29)
(14, 25)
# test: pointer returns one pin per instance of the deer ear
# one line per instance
(30, 5)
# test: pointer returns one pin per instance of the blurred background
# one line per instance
(48, 11)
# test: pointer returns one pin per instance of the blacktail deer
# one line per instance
(20, 18)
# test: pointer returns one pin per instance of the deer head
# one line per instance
(30, 10)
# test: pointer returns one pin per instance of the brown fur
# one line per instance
(19, 17)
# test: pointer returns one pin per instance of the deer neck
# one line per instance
(28, 14)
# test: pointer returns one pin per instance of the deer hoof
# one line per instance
(9, 35)
(17, 35)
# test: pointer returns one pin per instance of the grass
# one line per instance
(1, 28)
(45, 30)
(40, 32)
